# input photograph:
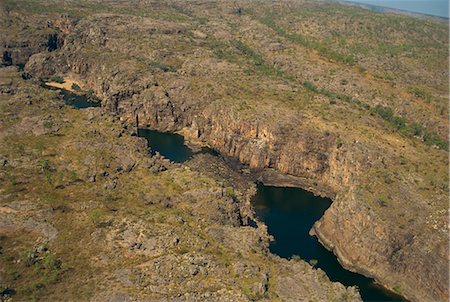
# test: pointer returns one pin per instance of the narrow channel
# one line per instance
(171, 145)
(289, 214)
(78, 101)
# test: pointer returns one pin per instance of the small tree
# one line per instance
(57, 79)
(75, 86)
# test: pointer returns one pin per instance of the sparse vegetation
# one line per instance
(276, 84)
(57, 79)
(75, 87)
(162, 66)
(257, 60)
(322, 48)
(48, 124)
(414, 129)
(95, 216)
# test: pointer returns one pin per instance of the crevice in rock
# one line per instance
(7, 58)
(52, 43)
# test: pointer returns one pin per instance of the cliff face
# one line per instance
(354, 227)
(388, 218)
(87, 213)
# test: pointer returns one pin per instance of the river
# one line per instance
(288, 212)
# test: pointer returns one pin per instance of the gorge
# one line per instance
(303, 94)
(289, 213)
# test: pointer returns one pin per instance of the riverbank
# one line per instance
(88, 213)
(288, 212)
(269, 85)
(67, 84)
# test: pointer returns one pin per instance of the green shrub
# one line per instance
(13, 180)
(48, 124)
(45, 165)
(163, 66)
(388, 115)
(248, 52)
(416, 129)
(57, 79)
(14, 275)
(362, 69)
(21, 148)
(421, 92)
(310, 86)
(95, 215)
(388, 177)
(296, 258)
(75, 86)
(432, 138)
(326, 51)
(229, 191)
(91, 96)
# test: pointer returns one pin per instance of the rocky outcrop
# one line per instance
(86, 207)
(351, 227)
(386, 220)
(20, 41)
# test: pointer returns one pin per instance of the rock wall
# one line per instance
(405, 260)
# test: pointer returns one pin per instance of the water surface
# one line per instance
(289, 214)
(171, 145)
(72, 99)
(77, 101)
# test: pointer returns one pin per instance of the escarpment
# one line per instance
(18, 44)
(356, 227)
(388, 218)
(87, 213)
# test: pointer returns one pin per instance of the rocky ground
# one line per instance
(87, 213)
(346, 102)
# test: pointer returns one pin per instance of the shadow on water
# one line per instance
(75, 100)
(289, 214)
(171, 145)
(78, 101)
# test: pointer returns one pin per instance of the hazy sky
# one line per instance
(430, 7)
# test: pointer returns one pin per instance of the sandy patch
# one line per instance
(7, 210)
(67, 85)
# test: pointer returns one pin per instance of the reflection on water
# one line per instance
(75, 100)
(171, 145)
(289, 214)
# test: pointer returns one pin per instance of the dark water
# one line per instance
(170, 145)
(74, 100)
(78, 101)
(289, 214)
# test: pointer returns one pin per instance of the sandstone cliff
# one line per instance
(388, 219)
